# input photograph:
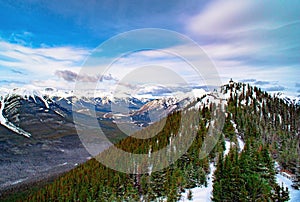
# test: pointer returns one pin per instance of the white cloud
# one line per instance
(41, 62)
(177, 60)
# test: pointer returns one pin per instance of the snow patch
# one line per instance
(227, 147)
(235, 126)
(240, 143)
(202, 193)
(294, 194)
(63, 164)
(199, 92)
(60, 114)
(14, 182)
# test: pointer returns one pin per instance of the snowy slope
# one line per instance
(7, 124)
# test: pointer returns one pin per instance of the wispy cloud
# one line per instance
(227, 17)
(28, 64)
(223, 17)
(22, 37)
(34, 59)
(11, 82)
(251, 39)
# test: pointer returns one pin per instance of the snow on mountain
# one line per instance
(25, 94)
(9, 125)
(140, 111)
(45, 96)
(157, 104)
(242, 89)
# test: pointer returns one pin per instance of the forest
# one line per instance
(267, 124)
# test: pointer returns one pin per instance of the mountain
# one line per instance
(37, 139)
(63, 103)
(257, 129)
(38, 136)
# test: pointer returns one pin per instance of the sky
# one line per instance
(47, 43)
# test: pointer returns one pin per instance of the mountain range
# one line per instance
(38, 135)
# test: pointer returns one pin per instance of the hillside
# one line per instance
(266, 125)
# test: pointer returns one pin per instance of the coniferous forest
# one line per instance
(267, 125)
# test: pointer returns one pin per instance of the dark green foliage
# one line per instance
(93, 181)
(248, 176)
(269, 126)
(228, 129)
(265, 118)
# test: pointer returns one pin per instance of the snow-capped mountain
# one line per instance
(20, 103)
(38, 134)
(14, 104)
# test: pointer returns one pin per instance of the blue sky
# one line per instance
(253, 41)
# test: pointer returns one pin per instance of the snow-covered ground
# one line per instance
(202, 193)
(205, 193)
(294, 194)
(239, 139)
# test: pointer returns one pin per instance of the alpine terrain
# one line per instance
(245, 143)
